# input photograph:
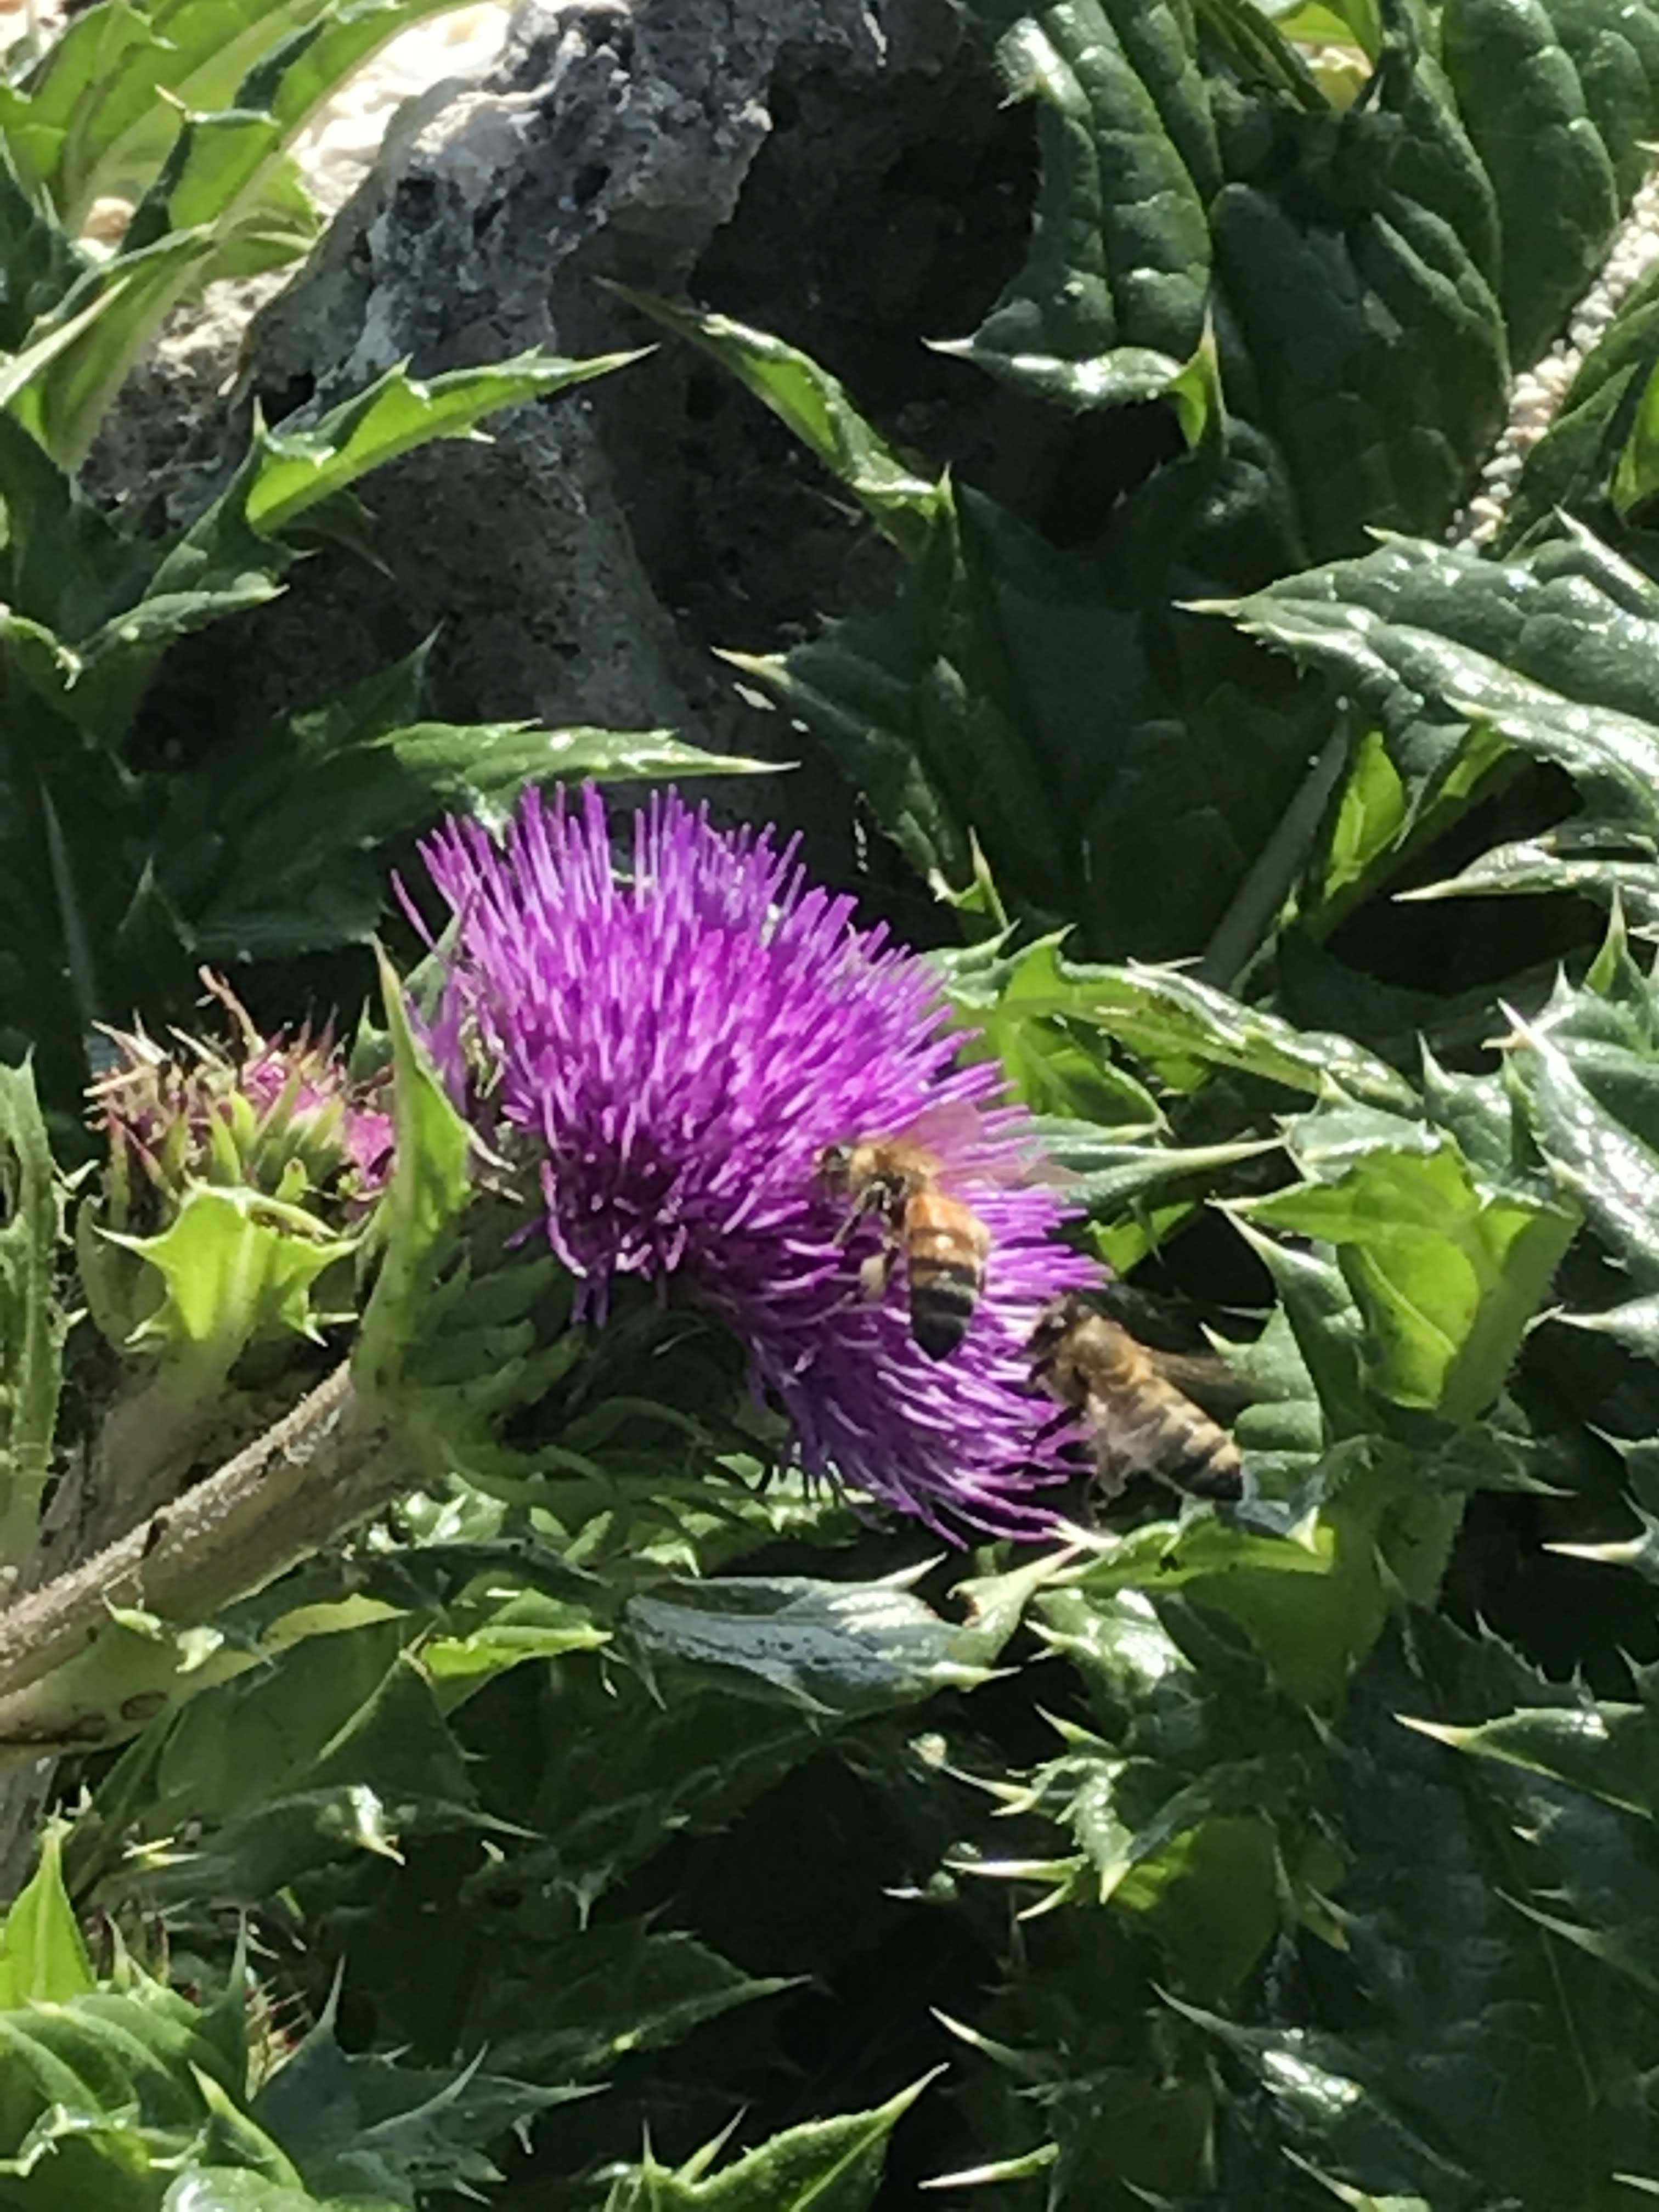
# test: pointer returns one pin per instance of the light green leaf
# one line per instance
(1166, 1016)
(1447, 1275)
(529, 1625)
(288, 472)
(1162, 1556)
(43, 1957)
(236, 1267)
(33, 1325)
(294, 77)
(825, 2166)
(110, 2090)
(85, 350)
(95, 82)
(429, 1183)
(237, 2189)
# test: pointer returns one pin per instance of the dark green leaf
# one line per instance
(1427, 2057)
(369, 2127)
(1455, 656)
(575, 2007)
(1112, 299)
(1523, 105)
(275, 844)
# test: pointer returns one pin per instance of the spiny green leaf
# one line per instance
(902, 501)
(1458, 656)
(830, 1647)
(389, 1771)
(1109, 1177)
(1448, 1275)
(109, 2091)
(1609, 1167)
(367, 2126)
(574, 2008)
(1114, 288)
(288, 472)
(1426, 2058)
(275, 844)
(236, 1266)
(827, 2166)
(1166, 1016)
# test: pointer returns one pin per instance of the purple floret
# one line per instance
(675, 1044)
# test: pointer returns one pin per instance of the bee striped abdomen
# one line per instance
(945, 1248)
(1161, 1433)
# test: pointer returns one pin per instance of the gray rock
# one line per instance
(836, 172)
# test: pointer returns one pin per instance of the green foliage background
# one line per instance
(1299, 1855)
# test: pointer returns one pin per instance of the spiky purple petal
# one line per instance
(675, 1044)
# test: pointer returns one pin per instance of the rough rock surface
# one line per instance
(844, 177)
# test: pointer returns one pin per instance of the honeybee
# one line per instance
(1139, 1419)
(944, 1243)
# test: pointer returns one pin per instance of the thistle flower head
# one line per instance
(673, 1045)
(276, 1115)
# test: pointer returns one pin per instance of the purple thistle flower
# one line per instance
(675, 1049)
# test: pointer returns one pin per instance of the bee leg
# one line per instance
(874, 1198)
(1054, 1424)
(1111, 1477)
(877, 1273)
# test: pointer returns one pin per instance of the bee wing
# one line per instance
(957, 1126)
(1208, 1381)
(952, 1125)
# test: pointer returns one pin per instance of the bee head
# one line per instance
(1053, 1325)
(835, 1167)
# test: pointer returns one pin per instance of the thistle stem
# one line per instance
(328, 1464)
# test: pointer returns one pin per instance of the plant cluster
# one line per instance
(493, 1586)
